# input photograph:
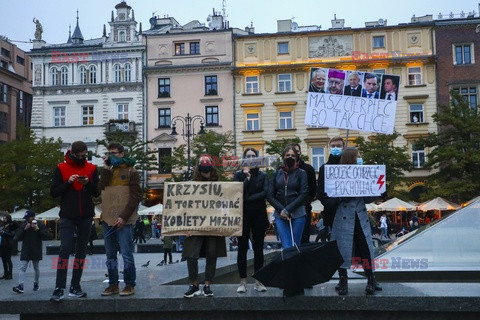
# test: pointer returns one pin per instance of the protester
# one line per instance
(335, 145)
(214, 246)
(118, 172)
(7, 232)
(75, 181)
(287, 194)
(255, 219)
(351, 228)
(31, 234)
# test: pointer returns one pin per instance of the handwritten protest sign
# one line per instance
(352, 100)
(203, 208)
(355, 180)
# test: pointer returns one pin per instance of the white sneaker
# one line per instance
(259, 287)
(242, 288)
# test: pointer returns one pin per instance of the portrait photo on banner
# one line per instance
(350, 99)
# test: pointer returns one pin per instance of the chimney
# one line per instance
(284, 25)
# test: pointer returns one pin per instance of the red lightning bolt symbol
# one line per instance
(380, 181)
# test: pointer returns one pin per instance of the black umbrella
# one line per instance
(301, 266)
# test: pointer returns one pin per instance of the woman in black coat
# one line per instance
(7, 232)
(31, 233)
(255, 220)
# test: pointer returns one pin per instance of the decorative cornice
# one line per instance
(250, 143)
(187, 68)
(209, 100)
(416, 97)
(285, 103)
(252, 105)
(415, 135)
(163, 103)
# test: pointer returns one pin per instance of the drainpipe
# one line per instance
(234, 101)
(145, 108)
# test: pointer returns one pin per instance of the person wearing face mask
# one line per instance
(118, 171)
(75, 182)
(335, 146)
(255, 219)
(287, 193)
(351, 229)
(210, 247)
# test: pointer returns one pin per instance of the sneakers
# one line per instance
(57, 295)
(112, 289)
(77, 292)
(192, 291)
(242, 288)
(259, 287)
(35, 286)
(127, 291)
(207, 292)
(18, 289)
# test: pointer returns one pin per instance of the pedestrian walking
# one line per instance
(75, 182)
(7, 232)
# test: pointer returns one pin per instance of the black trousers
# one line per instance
(67, 230)
(360, 249)
(165, 253)
(6, 253)
(307, 228)
(210, 267)
(258, 239)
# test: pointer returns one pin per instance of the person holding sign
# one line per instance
(209, 247)
(287, 194)
(255, 220)
(121, 193)
(351, 228)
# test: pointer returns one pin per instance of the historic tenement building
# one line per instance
(84, 88)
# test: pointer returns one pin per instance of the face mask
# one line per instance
(336, 151)
(77, 160)
(205, 169)
(115, 161)
(290, 162)
(359, 161)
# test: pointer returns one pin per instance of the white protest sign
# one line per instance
(355, 180)
(203, 208)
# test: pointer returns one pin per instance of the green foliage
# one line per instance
(454, 152)
(380, 150)
(26, 170)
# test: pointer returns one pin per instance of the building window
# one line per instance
(20, 60)
(194, 47)
(87, 116)
(282, 48)
(463, 54)
(418, 156)
(179, 48)
(93, 74)
(4, 93)
(253, 121)
(163, 87)
(211, 85)
(5, 53)
(211, 116)
(20, 103)
(122, 111)
(318, 157)
(54, 72)
(164, 118)
(83, 75)
(59, 116)
(164, 165)
(416, 113)
(128, 72)
(3, 122)
(469, 94)
(415, 76)
(118, 73)
(122, 36)
(378, 42)
(284, 82)
(64, 76)
(285, 120)
(251, 84)
(379, 71)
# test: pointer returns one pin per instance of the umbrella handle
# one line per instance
(291, 232)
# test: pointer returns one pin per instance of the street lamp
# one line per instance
(188, 133)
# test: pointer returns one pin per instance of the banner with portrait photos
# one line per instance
(350, 99)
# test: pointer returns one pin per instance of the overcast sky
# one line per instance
(55, 16)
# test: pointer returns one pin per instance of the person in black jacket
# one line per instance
(7, 232)
(312, 192)
(255, 220)
(75, 181)
(335, 146)
(30, 233)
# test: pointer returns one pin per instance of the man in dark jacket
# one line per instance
(31, 234)
(335, 146)
(312, 190)
(75, 181)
